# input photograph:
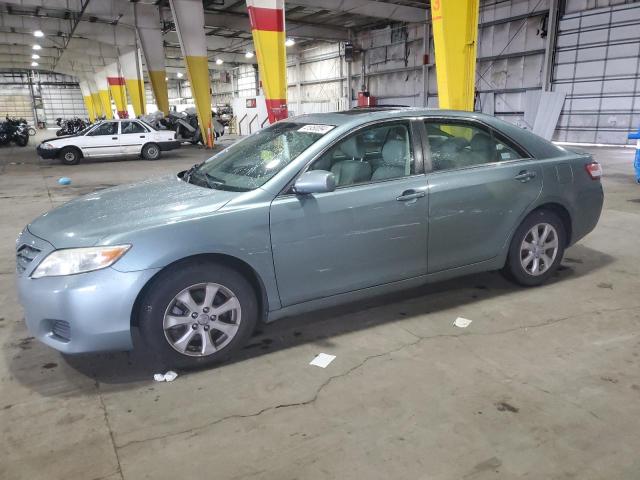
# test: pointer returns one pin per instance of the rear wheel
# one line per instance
(536, 248)
(151, 151)
(197, 314)
(70, 156)
(22, 141)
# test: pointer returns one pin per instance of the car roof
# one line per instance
(348, 119)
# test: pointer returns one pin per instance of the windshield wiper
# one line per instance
(188, 173)
(213, 179)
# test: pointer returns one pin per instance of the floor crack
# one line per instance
(108, 424)
(418, 339)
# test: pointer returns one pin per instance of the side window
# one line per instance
(458, 145)
(132, 127)
(373, 154)
(106, 128)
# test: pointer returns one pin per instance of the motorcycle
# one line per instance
(71, 126)
(14, 130)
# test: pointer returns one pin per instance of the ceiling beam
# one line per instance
(240, 23)
(368, 8)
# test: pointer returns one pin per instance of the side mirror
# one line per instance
(314, 181)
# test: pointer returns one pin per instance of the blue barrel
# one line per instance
(636, 163)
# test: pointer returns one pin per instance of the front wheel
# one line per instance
(536, 249)
(197, 314)
(70, 156)
(151, 151)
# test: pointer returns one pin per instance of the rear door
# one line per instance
(480, 184)
(132, 136)
(102, 140)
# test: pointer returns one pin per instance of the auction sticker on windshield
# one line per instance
(321, 129)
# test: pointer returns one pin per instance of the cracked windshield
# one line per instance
(251, 162)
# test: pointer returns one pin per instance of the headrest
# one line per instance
(394, 152)
(481, 142)
(353, 147)
(453, 145)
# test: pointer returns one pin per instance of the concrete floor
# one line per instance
(544, 384)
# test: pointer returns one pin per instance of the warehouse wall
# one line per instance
(597, 64)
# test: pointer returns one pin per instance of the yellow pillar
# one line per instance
(267, 26)
(158, 80)
(88, 100)
(132, 75)
(103, 93)
(117, 89)
(150, 34)
(455, 36)
(188, 16)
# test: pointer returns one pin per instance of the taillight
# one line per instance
(594, 169)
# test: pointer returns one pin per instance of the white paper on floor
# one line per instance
(170, 376)
(462, 322)
(322, 360)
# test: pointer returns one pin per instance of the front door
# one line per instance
(132, 136)
(103, 140)
(370, 231)
(479, 187)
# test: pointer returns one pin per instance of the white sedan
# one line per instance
(110, 138)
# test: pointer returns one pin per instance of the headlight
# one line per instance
(47, 146)
(79, 260)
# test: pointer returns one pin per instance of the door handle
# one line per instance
(114, 138)
(409, 195)
(142, 136)
(525, 176)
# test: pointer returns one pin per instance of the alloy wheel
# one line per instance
(202, 319)
(539, 249)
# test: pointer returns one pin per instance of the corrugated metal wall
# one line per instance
(597, 64)
(15, 98)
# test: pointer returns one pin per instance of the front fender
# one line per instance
(242, 233)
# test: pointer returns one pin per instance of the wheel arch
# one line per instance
(228, 260)
(75, 147)
(564, 215)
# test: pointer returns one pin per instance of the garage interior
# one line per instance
(544, 383)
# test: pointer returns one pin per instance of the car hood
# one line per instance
(116, 211)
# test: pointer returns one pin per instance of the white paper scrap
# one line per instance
(170, 376)
(321, 129)
(322, 360)
(462, 322)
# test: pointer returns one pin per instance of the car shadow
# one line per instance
(123, 370)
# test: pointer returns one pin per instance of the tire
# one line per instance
(22, 141)
(70, 156)
(521, 254)
(151, 151)
(32, 131)
(181, 345)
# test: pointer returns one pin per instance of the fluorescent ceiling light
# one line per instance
(249, 54)
(290, 42)
(219, 61)
(34, 64)
(179, 75)
(35, 56)
(36, 47)
(38, 33)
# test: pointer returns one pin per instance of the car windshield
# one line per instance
(251, 162)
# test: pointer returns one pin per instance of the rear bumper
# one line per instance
(171, 145)
(47, 152)
(586, 217)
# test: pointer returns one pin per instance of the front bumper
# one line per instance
(48, 152)
(171, 145)
(87, 312)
